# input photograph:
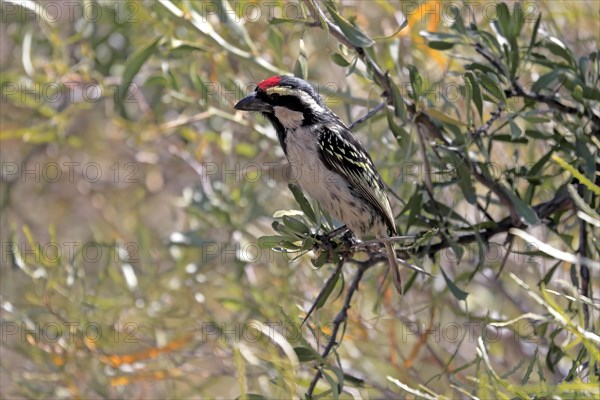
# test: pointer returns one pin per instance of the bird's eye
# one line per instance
(274, 96)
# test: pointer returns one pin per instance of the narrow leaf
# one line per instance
(455, 290)
(352, 33)
(415, 81)
(326, 291)
(295, 225)
(302, 202)
(301, 67)
(523, 209)
(132, 67)
(340, 60)
(439, 45)
(582, 178)
(445, 118)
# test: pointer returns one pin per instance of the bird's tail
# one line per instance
(394, 267)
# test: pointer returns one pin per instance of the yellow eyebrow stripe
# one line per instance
(281, 90)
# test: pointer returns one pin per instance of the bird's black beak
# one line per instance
(253, 103)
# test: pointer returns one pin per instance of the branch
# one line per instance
(380, 77)
(584, 271)
(483, 130)
(324, 291)
(519, 91)
(544, 210)
(340, 318)
(367, 115)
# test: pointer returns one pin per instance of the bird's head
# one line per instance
(288, 102)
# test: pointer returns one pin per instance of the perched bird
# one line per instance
(331, 164)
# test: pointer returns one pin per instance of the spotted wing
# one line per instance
(342, 153)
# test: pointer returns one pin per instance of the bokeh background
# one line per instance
(133, 196)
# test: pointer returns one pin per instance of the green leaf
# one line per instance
(415, 81)
(581, 204)
(445, 118)
(458, 293)
(582, 178)
(340, 60)
(399, 106)
(275, 39)
(523, 209)
(517, 21)
(353, 380)
(503, 137)
(548, 277)
(291, 213)
(504, 20)
(333, 391)
(468, 93)
(302, 202)
(545, 80)
(515, 59)
(269, 241)
(481, 67)
(286, 231)
(321, 260)
(340, 378)
(306, 354)
(438, 36)
(414, 206)
(132, 67)
(177, 44)
(295, 225)
(535, 134)
(492, 87)
(477, 96)
(301, 66)
(534, 32)
(252, 396)
(326, 291)
(439, 45)
(277, 21)
(424, 239)
(540, 164)
(400, 134)
(352, 33)
(534, 359)
(463, 175)
(515, 131)
(559, 49)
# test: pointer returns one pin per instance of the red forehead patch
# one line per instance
(269, 82)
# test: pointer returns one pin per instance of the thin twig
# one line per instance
(340, 318)
(367, 115)
(499, 67)
(584, 271)
(483, 130)
(511, 242)
(380, 77)
(544, 210)
(497, 188)
(323, 291)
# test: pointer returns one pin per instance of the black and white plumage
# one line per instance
(331, 164)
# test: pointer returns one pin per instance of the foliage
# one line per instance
(152, 248)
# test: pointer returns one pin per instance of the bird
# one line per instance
(331, 164)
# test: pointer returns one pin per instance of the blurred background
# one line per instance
(133, 196)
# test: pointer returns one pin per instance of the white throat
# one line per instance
(288, 118)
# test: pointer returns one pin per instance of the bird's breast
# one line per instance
(332, 191)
